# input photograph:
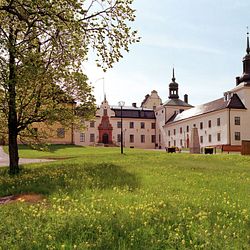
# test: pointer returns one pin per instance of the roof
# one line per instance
(219, 104)
(145, 99)
(133, 112)
(176, 102)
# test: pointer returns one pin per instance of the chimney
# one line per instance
(186, 98)
(237, 80)
(134, 104)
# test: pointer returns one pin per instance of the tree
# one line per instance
(43, 44)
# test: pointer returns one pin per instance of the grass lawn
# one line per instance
(140, 200)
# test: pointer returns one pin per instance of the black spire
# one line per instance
(173, 79)
(246, 66)
(173, 88)
(248, 48)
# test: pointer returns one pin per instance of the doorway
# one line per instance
(105, 139)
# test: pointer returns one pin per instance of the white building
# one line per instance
(225, 121)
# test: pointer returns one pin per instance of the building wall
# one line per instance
(220, 133)
(244, 94)
(163, 114)
(83, 137)
(56, 133)
(179, 133)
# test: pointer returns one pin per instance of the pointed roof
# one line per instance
(246, 66)
(248, 48)
(176, 102)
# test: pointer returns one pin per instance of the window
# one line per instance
(194, 125)
(209, 123)
(119, 124)
(169, 144)
(105, 112)
(82, 137)
(181, 143)
(187, 129)
(153, 125)
(180, 130)
(237, 120)
(142, 138)
(142, 125)
(218, 136)
(237, 136)
(209, 138)
(131, 125)
(201, 139)
(174, 131)
(174, 142)
(92, 124)
(131, 138)
(168, 132)
(218, 121)
(153, 138)
(60, 132)
(201, 125)
(92, 138)
(118, 137)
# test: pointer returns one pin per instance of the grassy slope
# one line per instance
(140, 200)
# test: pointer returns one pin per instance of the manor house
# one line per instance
(157, 124)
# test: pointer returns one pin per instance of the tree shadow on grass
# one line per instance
(48, 148)
(67, 178)
(106, 175)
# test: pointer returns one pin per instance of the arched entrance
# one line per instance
(105, 138)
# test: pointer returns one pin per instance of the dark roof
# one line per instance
(219, 104)
(176, 102)
(131, 112)
(172, 117)
(235, 103)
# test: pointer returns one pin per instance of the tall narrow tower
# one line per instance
(173, 88)
(246, 66)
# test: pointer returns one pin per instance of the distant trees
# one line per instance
(42, 46)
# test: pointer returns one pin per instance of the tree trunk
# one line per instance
(12, 118)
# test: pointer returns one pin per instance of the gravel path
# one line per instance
(4, 159)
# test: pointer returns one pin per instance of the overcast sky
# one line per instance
(205, 40)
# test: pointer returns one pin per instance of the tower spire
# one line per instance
(173, 79)
(248, 48)
(173, 88)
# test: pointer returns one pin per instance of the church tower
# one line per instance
(173, 88)
(246, 66)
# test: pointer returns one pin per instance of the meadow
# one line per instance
(100, 199)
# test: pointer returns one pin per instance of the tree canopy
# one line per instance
(42, 47)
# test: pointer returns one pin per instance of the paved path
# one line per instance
(4, 159)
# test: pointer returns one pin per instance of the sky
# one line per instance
(204, 40)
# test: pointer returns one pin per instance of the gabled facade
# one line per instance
(138, 127)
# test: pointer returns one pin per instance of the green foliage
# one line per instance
(43, 45)
(141, 200)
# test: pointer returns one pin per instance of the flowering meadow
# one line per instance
(143, 199)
